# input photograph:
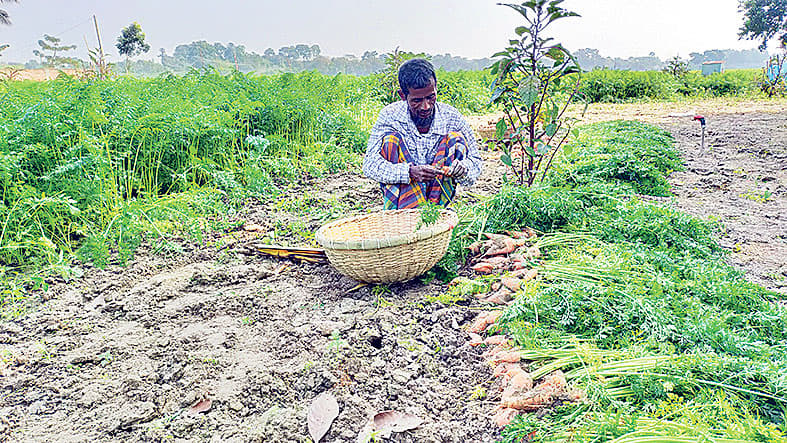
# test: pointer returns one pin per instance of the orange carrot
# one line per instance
(475, 339)
(505, 416)
(502, 246)
(497, 261)
(496, 340)
(512, 356)
(512, 283)
(504, 368)
(522, 381)
(500, 297)
(482, 267)
(493, 316)
(475, 248)
(479, 324)
(530, 275)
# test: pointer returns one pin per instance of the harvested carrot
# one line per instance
(496, 285)
(481, 295)
(494, 351)
(504, 368)
(512, 356)
(502, 246)
(533, 252)
(484, 320)
(525, 233)
(500, 297)
(522, 381)
(483, 267)
(479, 324)
(512, 283)
(529, 401)
(475, 248)
(505, 416)
(493, 316)
(497, 261)
(555, 381)
(475, 339)
(525, 274)
(496, 340)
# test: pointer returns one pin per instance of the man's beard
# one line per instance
(422, 122)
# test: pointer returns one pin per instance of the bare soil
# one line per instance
(122, 353)
(38, 75)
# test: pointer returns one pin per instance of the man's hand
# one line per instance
(456, 170)
(423, 173)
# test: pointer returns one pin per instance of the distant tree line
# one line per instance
(302, 57)
(734, 59)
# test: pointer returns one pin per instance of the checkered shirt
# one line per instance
(396, 117)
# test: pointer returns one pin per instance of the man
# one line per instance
(419, 149)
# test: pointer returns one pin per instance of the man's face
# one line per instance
(421, 103)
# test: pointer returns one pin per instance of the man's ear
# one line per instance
(402, 95)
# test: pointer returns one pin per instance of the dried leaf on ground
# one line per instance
(200, 406)
(385, 422)
(322, 412)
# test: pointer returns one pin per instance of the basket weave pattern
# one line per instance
(384, 247)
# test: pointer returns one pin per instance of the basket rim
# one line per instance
(448, 220)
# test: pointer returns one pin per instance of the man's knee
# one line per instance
(455, 137)
(392, 138)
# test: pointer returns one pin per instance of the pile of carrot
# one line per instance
(517, 389)
(508, 256)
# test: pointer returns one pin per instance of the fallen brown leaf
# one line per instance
(200, 406)
(322, 412)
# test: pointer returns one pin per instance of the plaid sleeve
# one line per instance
(374, 165)
(473, 161)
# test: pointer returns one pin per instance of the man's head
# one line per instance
(417, 86)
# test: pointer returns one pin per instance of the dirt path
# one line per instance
(739, 179)
(121, 354)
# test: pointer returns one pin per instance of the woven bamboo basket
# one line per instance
(385, 247)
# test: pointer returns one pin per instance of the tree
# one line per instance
(131, 42)
(764, 20)
(537, 78)
(51, 43)
(4, 19)
(676, 67)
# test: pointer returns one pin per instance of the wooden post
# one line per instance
(100, 63)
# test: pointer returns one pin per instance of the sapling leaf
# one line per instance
(500, 129)
(506, 159)
(521, 30)
(551, 129)
(568, 150)
(528, 90)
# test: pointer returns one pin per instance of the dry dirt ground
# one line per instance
(35, 74)
(121, 354)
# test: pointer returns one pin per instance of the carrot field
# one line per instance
(647, 300)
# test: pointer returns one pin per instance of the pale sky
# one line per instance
(469, 28)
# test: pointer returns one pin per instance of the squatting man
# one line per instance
(420, 149)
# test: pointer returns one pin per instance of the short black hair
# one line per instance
(416, 74)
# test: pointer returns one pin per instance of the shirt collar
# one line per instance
(439, 124)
